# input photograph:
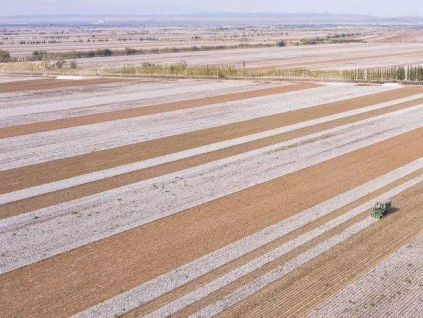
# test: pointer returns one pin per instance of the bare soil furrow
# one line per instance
(90, 188)
(39, 84)
(48, 146)
(224, 295)
(317, 278)
(143, 111)
(32, 175)
(206, 279)
(96, 272)
(56, 230)
(247, 279)
(344, 279)
(392, 288)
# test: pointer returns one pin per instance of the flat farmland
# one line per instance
(329, 56)
(22, 41)
(26, 50)
(157, 198)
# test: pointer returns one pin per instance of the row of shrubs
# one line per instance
(40, 55)
(220, 71)
(5, 56)
(392, 74)
(396, 73)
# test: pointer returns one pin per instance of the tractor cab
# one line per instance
(381, 209)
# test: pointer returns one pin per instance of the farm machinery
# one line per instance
(381, 209)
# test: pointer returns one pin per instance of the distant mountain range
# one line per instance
(81, 12)
(75, 7)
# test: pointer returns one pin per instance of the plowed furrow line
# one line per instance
(46, 172)
(96, 272)
(298, 251)
(342, 279)
(35, 202)
(369, 247)
(281, 271)
(302, 284)
(339, 279)
(206, 279)
(39, 84)
(358, 58)
(42, 173)
(228, 289)
(143, 111)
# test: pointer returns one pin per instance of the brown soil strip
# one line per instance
(49, 83)
(46, 172)
(185, 289)
(317, 62)
(146, 110)
(65, 195)
(304, 289)
(73, 281)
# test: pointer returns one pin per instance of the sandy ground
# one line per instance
(212, 204)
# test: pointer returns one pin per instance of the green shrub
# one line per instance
(281, 43)
(130, 51)
(39, 55)
(4, 56)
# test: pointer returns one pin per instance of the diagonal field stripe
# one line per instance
(52, 231)
(97, 272)
(281, 271)
(143, 111)
(108, 173)
(57, 170)
(176, 278)
(85, 190)
(64, 168)
(251, 266)
(20, 109)
(98, 138)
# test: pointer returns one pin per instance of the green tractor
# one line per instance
(381, 209)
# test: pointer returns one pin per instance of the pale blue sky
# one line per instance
(372, 7)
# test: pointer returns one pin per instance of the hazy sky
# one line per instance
(375, 7)
(372, 7)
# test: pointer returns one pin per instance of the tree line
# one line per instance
(389, 74)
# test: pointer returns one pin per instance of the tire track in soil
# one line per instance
(307, 287)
